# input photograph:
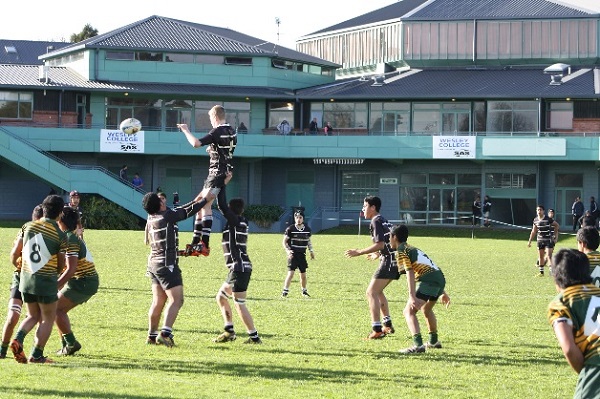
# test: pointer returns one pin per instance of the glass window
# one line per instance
(209, 59)
(356, 186)
(15, 105)
(560, 115)
(569, 180)
(120, 55)
(177, 111)
(148, 56)
(441, 178)
(510, 180)
(512, 116)
(413, 199)
(426, 118)
(278, 111)
(413, 178)
(179, 57)
(471, 179)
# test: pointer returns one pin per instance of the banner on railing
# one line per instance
(455, 147)
(117, 141)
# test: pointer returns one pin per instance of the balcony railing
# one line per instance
(305, 132)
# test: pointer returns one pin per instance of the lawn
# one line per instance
(496, 340)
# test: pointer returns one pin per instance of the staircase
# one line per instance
(85, 179)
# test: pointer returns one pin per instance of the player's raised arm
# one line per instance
(193, 140)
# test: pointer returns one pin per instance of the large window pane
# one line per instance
(356, 186)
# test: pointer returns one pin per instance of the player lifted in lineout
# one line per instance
(220, 142)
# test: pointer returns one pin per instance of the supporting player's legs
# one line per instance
(222, 299)
(47, 318)
(63, 324)
(12, 319)
(239, 299)
(174, 304)
(159, 299)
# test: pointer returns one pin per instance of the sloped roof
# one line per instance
(26, 51)
(497, 9)
(435, 84)
(27, 77)
(436, 10)
(158, 33)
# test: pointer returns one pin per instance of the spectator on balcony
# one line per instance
(284, 127)
(328, 129)
(242, 128)
(314, 127)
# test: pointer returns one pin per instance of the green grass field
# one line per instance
(497, 342)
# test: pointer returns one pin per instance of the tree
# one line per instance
(87, 32)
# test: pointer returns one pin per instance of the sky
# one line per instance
(56, 21)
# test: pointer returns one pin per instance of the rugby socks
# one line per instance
(387, 321)
(376, 325)
(166, 331)
(69, 338)
(433, 337)
(285, 292)
(229, 328)
(37, 352)
(254, 335)
(206, 222)
(3, 350)
(152, 335)
(20, 336)
(418, 340)
(197, 230)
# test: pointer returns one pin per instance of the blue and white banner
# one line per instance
(117, 141)
(455, 147)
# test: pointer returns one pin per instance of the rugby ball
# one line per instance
(130, 126)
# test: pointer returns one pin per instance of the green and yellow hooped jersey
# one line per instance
(85, 262)
(579, 305)
(409, 257)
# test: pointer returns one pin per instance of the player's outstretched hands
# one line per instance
(351, 253)
(445, 299)
(183, 127)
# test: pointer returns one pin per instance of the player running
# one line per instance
(546, 230)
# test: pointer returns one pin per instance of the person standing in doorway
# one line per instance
(577, 212)
(476, 209)
(487, 208)
(595, 212)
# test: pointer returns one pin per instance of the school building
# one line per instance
(431, 103)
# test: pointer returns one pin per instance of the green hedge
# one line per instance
(263, 215)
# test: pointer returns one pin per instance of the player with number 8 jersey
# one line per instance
(43, 260)
(42, 242)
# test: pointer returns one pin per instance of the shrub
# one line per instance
(102, 214)
(263, 215)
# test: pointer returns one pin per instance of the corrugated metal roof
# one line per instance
(497, 9)
(157, 33)
(436, 10)
(460, 84)
(391, 12)
(26, 51)
(27, 77)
